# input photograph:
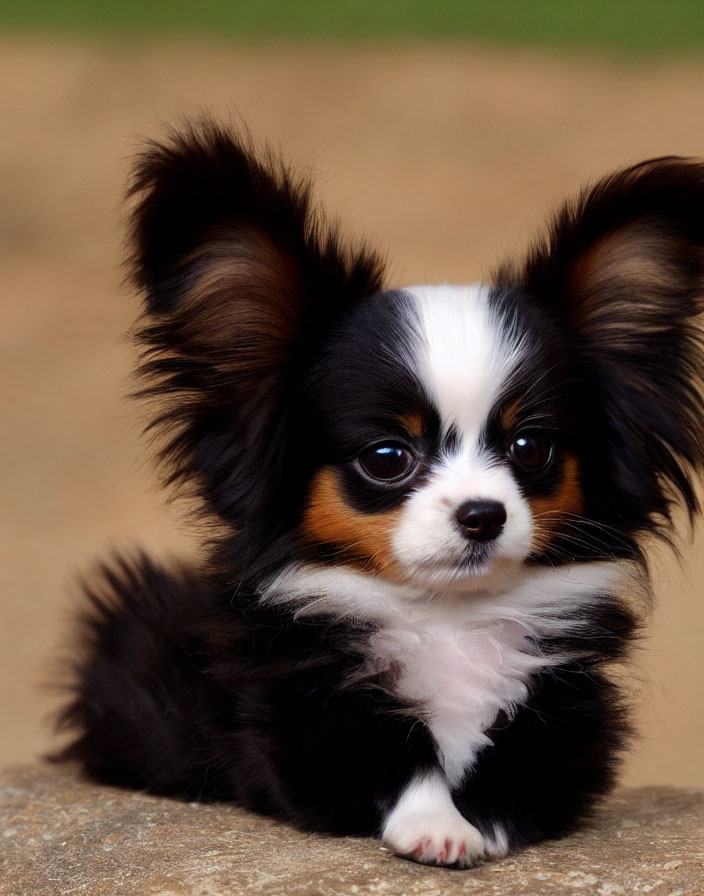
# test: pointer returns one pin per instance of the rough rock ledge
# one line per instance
(60, 835)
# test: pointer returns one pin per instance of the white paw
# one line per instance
(436, 838)
(425, 825)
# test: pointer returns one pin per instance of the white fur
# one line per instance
(426, 825)
(460, 676)
(464, 356)
(496, 844)
(459, 658)
(428, 542)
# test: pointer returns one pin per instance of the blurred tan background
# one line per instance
(450, 156)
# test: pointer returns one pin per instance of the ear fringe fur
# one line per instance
(239, 270)
(623, 267)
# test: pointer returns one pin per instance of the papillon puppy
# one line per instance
(428, 508)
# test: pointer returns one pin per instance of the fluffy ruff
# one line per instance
(431, 506)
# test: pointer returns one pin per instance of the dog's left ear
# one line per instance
(622, 270)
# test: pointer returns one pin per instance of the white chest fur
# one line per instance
(459, 674)
(458, 659)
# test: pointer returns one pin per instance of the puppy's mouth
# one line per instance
(472, 570)
(466, 557)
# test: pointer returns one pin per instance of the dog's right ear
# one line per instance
(239, 273)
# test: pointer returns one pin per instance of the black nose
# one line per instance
(481, 520)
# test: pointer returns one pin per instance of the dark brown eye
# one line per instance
(531, 451)
(387, 462)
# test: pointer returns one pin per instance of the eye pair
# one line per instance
(393, 462)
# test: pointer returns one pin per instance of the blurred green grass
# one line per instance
(638, 26)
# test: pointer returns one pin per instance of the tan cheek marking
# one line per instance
(549, 511)
(329, 519)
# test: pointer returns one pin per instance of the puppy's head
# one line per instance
(443, 436)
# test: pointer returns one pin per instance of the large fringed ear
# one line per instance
(622, 270)
(239, 273)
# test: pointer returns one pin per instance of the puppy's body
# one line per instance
(331, 722)
(431, 502)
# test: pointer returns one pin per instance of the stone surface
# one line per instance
(60, 835)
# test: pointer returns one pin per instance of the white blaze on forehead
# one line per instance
(466, 355)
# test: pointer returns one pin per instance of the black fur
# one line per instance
(272, 353)
(188, 690)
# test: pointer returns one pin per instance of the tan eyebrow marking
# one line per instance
(509, 415)
(413, 423)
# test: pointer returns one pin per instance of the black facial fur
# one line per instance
(358, 392)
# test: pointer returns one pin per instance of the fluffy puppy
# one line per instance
(431, 505)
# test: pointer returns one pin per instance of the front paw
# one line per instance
(436, 839)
